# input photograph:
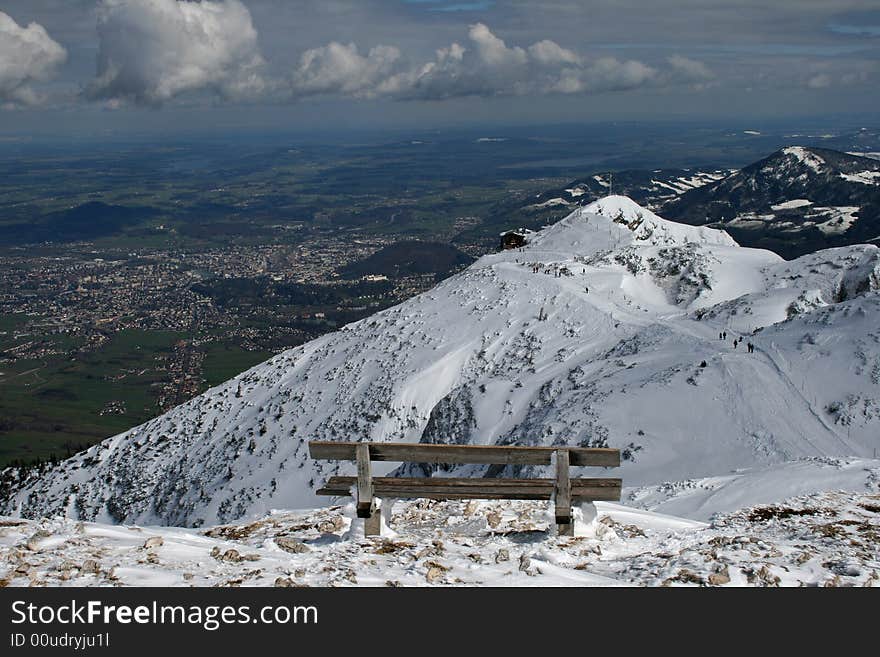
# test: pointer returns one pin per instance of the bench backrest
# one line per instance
(449, 454)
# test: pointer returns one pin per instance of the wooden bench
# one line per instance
(562, 489)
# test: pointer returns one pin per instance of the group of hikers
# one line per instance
(736, 341)
(554, 270)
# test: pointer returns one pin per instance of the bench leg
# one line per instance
(564, 522)
(373, 524)
(366, 505)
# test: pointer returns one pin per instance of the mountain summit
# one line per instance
(605, 329)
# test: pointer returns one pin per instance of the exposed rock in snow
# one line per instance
(827, 539)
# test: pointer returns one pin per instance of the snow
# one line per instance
(641, 225)
(752, 220)
(815, 539)
(703, 498)
(701, 179)
(863, 177)
(550, 203)
(684, 184)
(676, 189)
(831, 220)
(836, 219)
(806, 157)
(595, 333)
(791, 205)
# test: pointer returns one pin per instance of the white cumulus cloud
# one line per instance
(489, 67)
(341, 69)
(549, 53)
(27, 55)
(485, 66)
(151, 51)
(690, 70)
(819, 81)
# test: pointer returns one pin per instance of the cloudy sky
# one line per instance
(141, 64)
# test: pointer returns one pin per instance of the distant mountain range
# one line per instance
(648, 188)
(796, 201)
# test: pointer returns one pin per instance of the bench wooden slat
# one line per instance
(475, 454)
(451, 488)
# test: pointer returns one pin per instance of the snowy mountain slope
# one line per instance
(603, 330)
(703, 499)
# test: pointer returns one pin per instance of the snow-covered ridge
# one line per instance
(602, 330)
(806, 157)
(795, 201)
(650, 229)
